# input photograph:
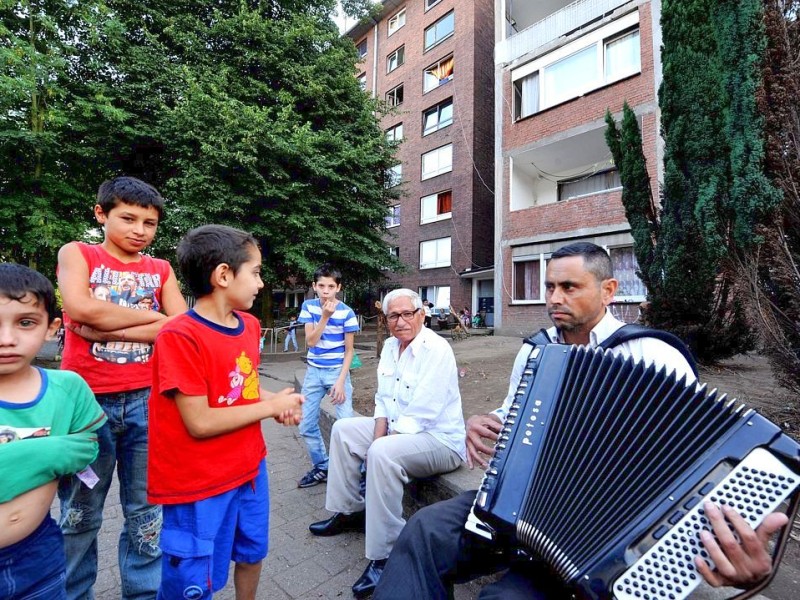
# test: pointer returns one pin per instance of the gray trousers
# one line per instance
(392, 461)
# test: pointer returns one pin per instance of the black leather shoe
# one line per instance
(338, 523)
(367, 582)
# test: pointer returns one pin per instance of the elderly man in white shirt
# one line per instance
(417, 431)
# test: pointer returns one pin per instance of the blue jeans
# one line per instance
(123, 443)
(316, 384)
(290, 335)
(33, 568)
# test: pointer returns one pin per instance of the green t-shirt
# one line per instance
(50, 436)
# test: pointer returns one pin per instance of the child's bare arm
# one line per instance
(202, 421)
(73, 281)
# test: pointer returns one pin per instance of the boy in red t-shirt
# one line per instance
(206, 456)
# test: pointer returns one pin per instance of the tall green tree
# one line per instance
(773, 273)
(715, 193)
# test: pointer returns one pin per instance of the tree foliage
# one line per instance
(773, 273)
(715, 192)
(243, 113)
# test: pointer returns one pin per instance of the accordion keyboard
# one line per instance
(755, 488)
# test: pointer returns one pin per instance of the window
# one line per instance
(394, 175)
(394, 251)
(393, 218)
(438, 117)
(395, 134)
(429, 4)
(526, 95)
(434, 253)
(607, 55)
(437, 74)
(623, 261)
(439, 31)
(394, 97)
(589, 185)
(362, 81)
(436, 207)
(397, 21)
(528, 279)
(437, 161)
(361, 47)
(395, 59)
(438, 296)
(622, 56)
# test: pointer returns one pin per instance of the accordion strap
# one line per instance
(626, 333)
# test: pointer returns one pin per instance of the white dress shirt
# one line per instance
(418, 390)
(646, 349)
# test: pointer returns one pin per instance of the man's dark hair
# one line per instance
(204, 248)
(597, 260)
(130, 191)
(328, 271)
(18, 281)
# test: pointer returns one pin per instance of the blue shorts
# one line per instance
(35, 568)
(200, 539)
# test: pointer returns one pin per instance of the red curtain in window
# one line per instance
(444, 203)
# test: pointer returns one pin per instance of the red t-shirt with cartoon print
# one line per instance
(200, 358)
(110, 367)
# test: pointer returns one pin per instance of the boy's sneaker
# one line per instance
(313, 477)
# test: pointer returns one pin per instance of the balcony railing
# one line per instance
(566, 20)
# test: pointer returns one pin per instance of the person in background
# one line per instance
(330, 330)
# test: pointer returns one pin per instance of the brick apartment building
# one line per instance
(558, 66)
(432, 60)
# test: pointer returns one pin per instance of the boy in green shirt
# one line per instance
(47, 424)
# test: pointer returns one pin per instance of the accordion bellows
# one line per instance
(603, 465)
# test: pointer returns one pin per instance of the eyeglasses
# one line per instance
(407, 315)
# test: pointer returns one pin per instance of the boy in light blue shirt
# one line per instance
(330, 327)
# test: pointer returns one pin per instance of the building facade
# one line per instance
(431, 60)
(559, 66)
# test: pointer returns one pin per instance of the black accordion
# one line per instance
(603, 465)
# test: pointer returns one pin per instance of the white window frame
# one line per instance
(395, 133)
(439, 123)
(599, 40)
(392, 94)
(434, 28)
(362, 81)
(439, 161)
(437, 216)
(396, 59)
(430, 81)
(441, 247)
(397, 21)
(429, 4)
(394, 175)
(626, 276)
(542, 260)
(393, 216)
(362, 55)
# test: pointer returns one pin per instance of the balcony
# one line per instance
(549, 28)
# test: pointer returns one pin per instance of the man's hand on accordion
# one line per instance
(742, 563)
(479, 428)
